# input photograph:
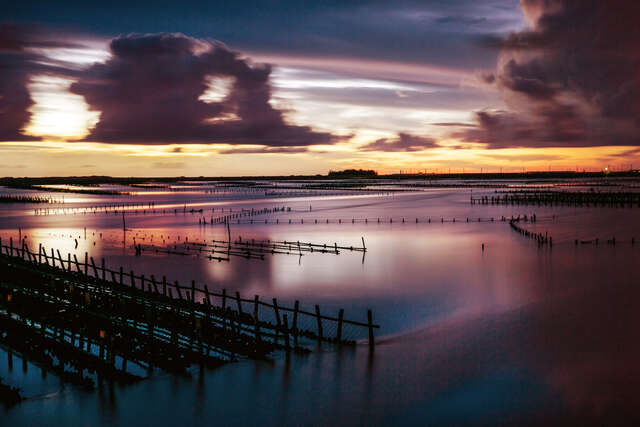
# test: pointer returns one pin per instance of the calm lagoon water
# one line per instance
(513, 334)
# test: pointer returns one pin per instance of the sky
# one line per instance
(208, 88)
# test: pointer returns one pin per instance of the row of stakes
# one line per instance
(203, 221)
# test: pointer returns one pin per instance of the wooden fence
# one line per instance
(270, 319)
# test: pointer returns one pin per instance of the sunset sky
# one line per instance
(163, 88)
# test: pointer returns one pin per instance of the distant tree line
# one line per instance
(353, 173)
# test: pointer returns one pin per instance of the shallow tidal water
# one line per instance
(514, 333)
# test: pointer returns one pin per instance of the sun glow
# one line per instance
(57, 113)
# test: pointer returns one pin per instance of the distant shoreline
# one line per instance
(26, 182)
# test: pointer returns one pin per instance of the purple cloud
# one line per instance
(16, 67)
(149, 92)
(403, 143)
(571, 79)
(18, 63)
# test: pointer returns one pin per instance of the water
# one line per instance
(515, 333)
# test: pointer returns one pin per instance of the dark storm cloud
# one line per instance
(572, 79)
(149, 92)
(403, 143)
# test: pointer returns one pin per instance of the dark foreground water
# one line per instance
(514, 334)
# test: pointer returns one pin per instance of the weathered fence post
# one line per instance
(276, 312)
(177, 286)
(370, 326)
(239, 302)
(286, 330)
(319, 321)
(95, 269)
(256, 322)
(339, 333)
(207, 296)
(61, 260)
(294, 324)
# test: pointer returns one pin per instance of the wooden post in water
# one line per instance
(339, 332)
(86, 263)
(207, 296)
(276, 312)
(286, 330)
(294, 324)
(239, 302)
(319, 321)
(61, 260)
(95, 269)
(256, 322)
(370, 325)
(193, 291)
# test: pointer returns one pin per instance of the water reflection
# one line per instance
(468, 336)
